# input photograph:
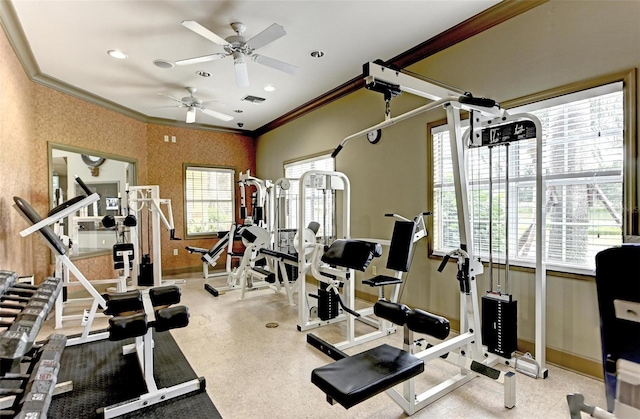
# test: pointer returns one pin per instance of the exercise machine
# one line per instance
(136, 314)
(490, 126)
(381, 368)
(618, 291)
(329, 270)
(148, 267)
(352, 379)
(43, 227)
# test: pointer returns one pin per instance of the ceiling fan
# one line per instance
(239, 47)
(194, 104)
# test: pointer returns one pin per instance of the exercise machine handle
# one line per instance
(83, 185)
(445, 259)
(336, 151)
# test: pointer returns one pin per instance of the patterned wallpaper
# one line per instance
(32, 115)
(16, 163)
(165, 169)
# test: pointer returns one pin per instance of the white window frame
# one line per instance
(224, 199)
(624, 84)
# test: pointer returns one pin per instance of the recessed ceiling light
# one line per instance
(269, 88)
(163, 63)
(316, 53)
(238, 110)
(203, 74)
(117, 54)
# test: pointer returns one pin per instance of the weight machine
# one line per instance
(261, 265)
(149, 269)
(65, 268)
(336, 275)
(380, 369)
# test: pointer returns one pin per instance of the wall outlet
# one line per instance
(173, 138)
(374, 270)
(166, 138)
(175, 252)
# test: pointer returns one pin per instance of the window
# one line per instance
(583, 158)
(319, 204)
(209, 200)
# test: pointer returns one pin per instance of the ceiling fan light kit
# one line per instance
(239, 47)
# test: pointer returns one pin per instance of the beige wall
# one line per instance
(557, 43)
(32, 115)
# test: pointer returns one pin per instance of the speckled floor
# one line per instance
(257, 372)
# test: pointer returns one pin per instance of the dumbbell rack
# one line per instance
(28, 372)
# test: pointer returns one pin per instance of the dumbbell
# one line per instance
(34, 308)
(7, 279)
(20, 297)
(16, 341)
(43, 379)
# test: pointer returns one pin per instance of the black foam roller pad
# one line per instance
(123, 302)
(165, 296)
(171, 318)
(124, 327)
(394, 312)
(422, 322)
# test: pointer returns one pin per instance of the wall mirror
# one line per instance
(106, 174)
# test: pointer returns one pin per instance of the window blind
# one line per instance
(583, 154)
(209, 199)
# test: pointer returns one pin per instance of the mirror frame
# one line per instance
(85, 151)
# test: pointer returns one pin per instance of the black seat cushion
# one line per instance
(351, 253)
(353, 380)
(381, 280)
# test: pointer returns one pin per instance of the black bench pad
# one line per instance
(380, 280)
(353, 380)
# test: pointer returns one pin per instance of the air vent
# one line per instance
(253, 99)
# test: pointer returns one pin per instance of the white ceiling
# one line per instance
(69, 41)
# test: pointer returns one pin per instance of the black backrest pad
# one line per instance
(422, 322)
(399, 258)
(47, 232)
(353, 254)
(394, 312)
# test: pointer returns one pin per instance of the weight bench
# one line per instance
(211, 256)
(354, 379)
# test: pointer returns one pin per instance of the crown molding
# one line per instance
(491, 17)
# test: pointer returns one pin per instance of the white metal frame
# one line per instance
(469, 345)
(143, 348)
(449, 98)
(137, 197)
(344, 277)
(65, 267)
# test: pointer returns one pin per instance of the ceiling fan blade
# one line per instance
(202, 31)
(203, 59)
(166, 107)
(172, 98)
(191, 115)
(219, 115)
(267, 36)
(242, 76)
(277, 64)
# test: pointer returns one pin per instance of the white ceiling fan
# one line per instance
(239, 47)
(194, 104)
